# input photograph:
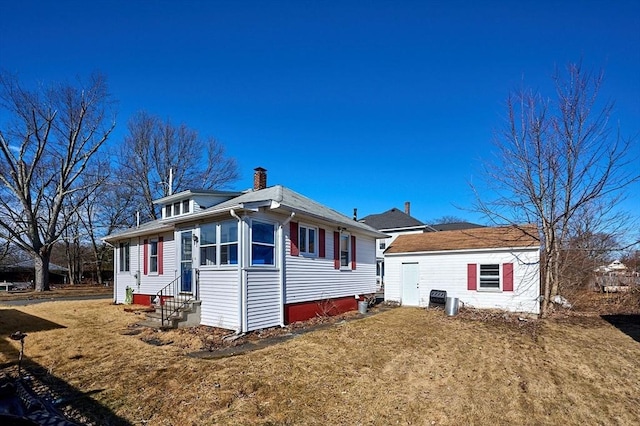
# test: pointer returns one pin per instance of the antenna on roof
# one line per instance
(170, 180)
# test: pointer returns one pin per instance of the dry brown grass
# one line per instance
(403, 366)
(58, 291)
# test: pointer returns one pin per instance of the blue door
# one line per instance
(186, 262)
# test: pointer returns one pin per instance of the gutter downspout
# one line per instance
(243, 284)
(283, 255)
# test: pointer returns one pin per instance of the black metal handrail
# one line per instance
(171, 300)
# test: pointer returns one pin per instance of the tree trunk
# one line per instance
(41, 264)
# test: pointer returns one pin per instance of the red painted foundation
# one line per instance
(142, 299)
(147, 299)
(303, 311)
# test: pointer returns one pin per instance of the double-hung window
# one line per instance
(307, 240)
(489, 277)
(153, 256)
(124, 257)
(263, 241)
(345, 250)
(208, 240)
(229, 242)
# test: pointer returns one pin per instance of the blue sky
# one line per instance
(352, 103)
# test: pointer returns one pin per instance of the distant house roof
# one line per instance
(29, 265)
(453, 226)
(467, 239)
(274, 198)
(392, 219)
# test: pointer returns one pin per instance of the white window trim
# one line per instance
(121, 245)
(303, 250)
(346, 267)
(218, 245)
(274, 245)
(490, 289)
(154, 239)
(216, 261)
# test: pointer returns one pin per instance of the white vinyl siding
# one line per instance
(152, 283)
(448, 271)
(219, 292)
(263, 299)
(315, 278)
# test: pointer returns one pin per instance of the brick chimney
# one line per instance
(259, 179)
(407, 208)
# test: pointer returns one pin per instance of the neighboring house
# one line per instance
(393, 222)
(483, 267)
(454, 226)
(254, 259)
(24, 272)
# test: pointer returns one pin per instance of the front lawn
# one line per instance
(402, 366)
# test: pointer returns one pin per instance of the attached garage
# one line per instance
(483, 267)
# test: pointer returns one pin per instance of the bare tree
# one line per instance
(153, 147)
(556, 160)
(446, 219)
(50, 138)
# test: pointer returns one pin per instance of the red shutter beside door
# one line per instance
(160, 255)
(507, 277)
(336, 249)
(293, 238)
(353, 252)
(145, 257)
(472, 276)
(321, 243)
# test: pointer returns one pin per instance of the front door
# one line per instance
(410, 284)
(186, 262)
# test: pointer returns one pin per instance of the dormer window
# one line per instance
(178, 208)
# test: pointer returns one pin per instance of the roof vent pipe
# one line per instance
(259, 179)
(407, 208)
(355, 214)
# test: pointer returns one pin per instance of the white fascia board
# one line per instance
(482, 250)
(406, 228)
(137, 232)
(188, 193)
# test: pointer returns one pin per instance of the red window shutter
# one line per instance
(353, 252)
(160, 255)
(507, 277)
(145, 256)
(293, 238)
(336, 249)
(321, 242)
(472, 276)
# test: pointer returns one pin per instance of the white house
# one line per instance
(393, 223)
(253, 259)
(483, 267)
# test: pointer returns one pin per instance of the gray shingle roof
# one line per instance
(275, 197)
(391, 219)
(453, 226)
